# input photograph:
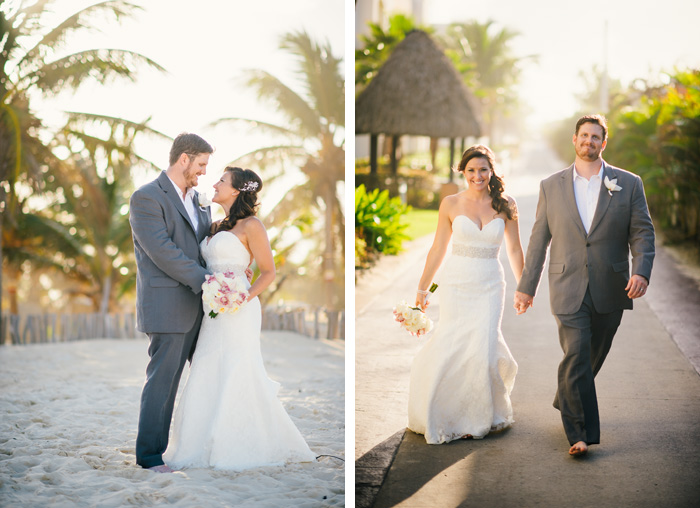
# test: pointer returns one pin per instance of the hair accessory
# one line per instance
(249, 186)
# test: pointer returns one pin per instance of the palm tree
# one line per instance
(29, 67)
(379, 45)
(485, 60)
(83, 230)
(95, 203)
(312, 140)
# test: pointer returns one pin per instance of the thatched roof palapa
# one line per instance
(417, 92)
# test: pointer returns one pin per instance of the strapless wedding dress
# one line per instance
(229, 416)
(462, 378)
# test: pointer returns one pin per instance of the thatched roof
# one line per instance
(418, 92)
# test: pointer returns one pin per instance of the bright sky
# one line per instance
(206, 46)
(645, 38)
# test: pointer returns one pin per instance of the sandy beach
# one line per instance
(69, 415)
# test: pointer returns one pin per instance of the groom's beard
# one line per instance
(191, 176)
(588, 153)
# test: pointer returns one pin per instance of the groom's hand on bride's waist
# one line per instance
(521, 302)
(249, 274)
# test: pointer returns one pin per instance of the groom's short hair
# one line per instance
(597, 119)
(188, 143)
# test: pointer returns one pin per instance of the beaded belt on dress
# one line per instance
(225, 267)
(470, 251)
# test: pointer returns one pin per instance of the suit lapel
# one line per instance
(604, 198)
(170, 191)
(567, 185)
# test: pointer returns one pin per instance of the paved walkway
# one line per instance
(648, 391)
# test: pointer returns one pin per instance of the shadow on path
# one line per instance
(371, 469)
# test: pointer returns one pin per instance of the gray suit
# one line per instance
(170, 273)
(587, 278)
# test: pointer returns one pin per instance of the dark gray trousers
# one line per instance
(169, 352)
(585, 338)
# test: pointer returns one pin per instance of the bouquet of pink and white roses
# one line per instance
(413, 319)
(224, 292)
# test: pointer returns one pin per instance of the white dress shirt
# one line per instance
(189, 203)
(587, 193)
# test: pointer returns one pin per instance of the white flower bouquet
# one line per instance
(412, 319)
(224, 292)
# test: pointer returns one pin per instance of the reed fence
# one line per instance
(51, 327)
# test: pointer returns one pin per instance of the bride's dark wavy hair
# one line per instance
(498, 201)
(248, 183)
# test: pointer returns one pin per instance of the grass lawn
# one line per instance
(420, 222)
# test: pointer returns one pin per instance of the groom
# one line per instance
(593, 215)
(168, 225)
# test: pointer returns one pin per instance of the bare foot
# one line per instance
(467, 436)
(579, 449)
(161, 469)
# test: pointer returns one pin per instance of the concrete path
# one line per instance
(648, 392)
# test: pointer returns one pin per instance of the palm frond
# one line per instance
(301, 115)
(114, 122)
(269, 155)
(320, 69)
(100, 65)
(256, 124)
(296, 201)
(78, 21)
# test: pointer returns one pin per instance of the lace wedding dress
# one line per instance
(462, 378)
(229, 416)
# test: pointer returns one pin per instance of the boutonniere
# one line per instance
(204, 201)
(611, 185)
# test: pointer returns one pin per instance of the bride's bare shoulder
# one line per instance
(451, 204)
(252, 225)
(450, 201)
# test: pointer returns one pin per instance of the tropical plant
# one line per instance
(32, 64)
(90, 212)
(311, 140)
(485, 59)
(379, 45)
(378, 225)
(658, 138)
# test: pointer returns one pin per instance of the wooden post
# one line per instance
(317, 331)
(14, 329)
(394, 158)
(29, 335)
(373, 154)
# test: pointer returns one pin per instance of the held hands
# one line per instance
(521, 302)
(636, 287)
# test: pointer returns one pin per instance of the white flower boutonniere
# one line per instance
(611, 185)
(204, 201)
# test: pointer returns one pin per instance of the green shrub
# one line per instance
(378, 223)
(361, 256)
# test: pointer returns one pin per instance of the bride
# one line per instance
(229, 416)
(462, 378)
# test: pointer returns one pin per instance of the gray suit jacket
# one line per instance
(598, 260)
(170, 269)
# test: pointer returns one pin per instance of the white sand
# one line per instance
(68, 417)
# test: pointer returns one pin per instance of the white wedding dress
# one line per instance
(462, 378)
(229, 416)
